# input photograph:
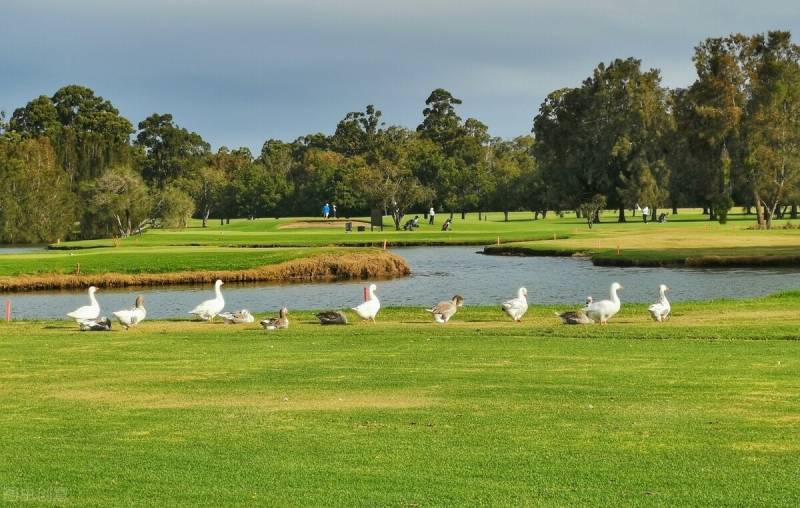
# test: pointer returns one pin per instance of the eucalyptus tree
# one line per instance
(357, 133)
(88, 133)
(513, 169)
(606, 137)
(441, 124)
(170, 151)
(119, 204)
(772, 125)
(36, 202)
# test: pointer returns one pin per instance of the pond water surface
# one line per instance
(438, 273)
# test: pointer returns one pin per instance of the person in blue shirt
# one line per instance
(326, 210)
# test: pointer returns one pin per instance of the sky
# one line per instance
(242, 71)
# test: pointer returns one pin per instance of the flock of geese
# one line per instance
(89, 319)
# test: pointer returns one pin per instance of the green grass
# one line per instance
(687, 235)
(701, 410)
(133, 260)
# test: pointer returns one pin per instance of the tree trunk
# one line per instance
(205, 219)
(480, 216)
(544, 214)
(654, 212)
(505, 214)
(674, 210)
(621, 217)
(748, 210)
(759, 211)
(463, 215)
(705, 210)
(793, 212)
(577, 214)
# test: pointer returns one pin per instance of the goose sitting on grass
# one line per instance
(516, 307)
(331, 317)
(278, 323)
(238, 317)
(660, 310)
(369, 309)
(132, 317)
(443, 311)
(576, 317)
(602, 311)
(210, 308)
(87, 312)
(102, 324)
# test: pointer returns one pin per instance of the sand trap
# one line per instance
(336, 223)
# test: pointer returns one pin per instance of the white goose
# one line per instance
(660, 310)
(602, 311)
(370, 308)
(132, 317)
(87, 312)
(517, 307)
(210, 308)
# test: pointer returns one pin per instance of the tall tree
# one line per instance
(88, 133)
(356, 134)
(170, 151)
(772, 127)
(36, 203)
(440, 122)
(119, 203)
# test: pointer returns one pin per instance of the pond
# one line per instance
(438, 273)
(15, 249)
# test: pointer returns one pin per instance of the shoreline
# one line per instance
(323, 267)
(630, 259)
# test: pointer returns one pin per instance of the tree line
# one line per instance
(72, 167)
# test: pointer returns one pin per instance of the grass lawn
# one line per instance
(151, 259)
(687, 235)
(701, 410)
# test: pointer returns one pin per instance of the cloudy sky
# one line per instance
(241, 71)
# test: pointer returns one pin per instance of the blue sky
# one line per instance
(241, 71)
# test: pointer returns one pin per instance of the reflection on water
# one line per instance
(438, 273)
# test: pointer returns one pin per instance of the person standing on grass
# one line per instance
(326, 210)
(431, 215)
(334, 210)
(645, 213)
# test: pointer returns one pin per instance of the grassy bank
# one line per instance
(128, 266)
(701, 410)
(685, 241)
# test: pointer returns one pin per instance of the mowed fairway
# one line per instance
(702, 410)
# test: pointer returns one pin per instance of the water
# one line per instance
(6, 249)
(438, 273)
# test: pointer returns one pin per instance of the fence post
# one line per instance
(8, 310)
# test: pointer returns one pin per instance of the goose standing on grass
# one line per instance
(132, 317)
(277, 323)
(602, 311)
(238, 317)
(517, 307)
(370, 308)
(87, 312)
(331, 317)
(443, 311)
(210, 308)
(660, 310)
(95, 325)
